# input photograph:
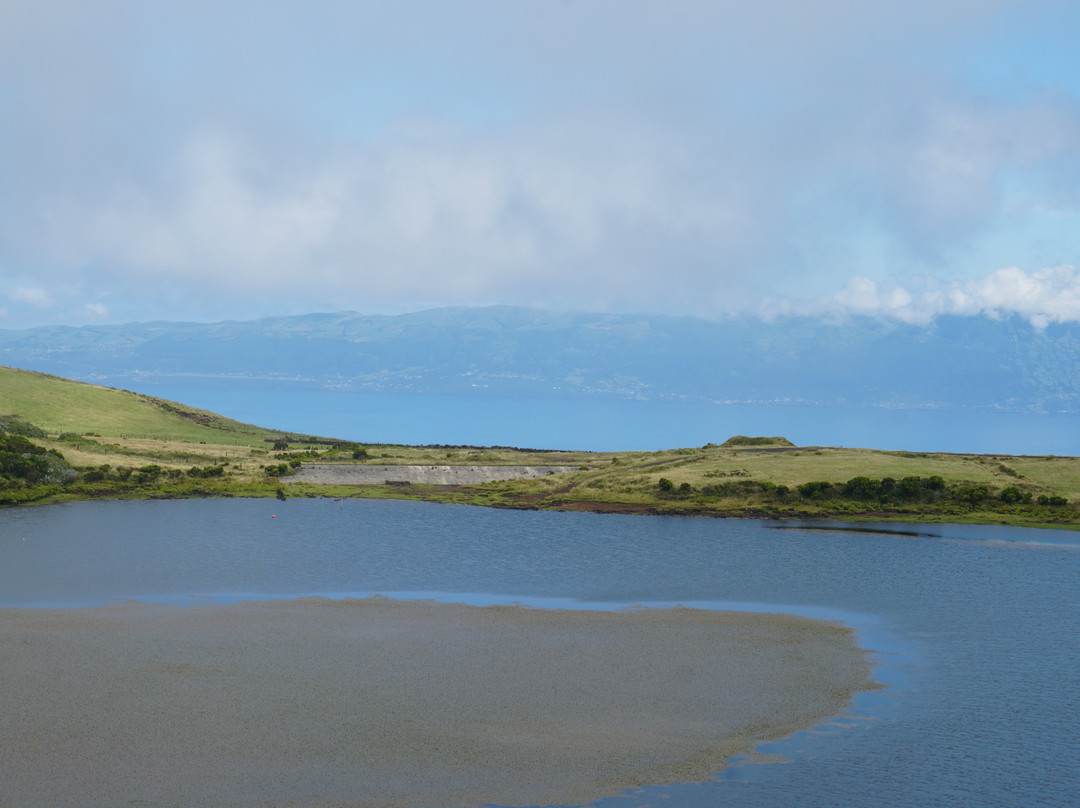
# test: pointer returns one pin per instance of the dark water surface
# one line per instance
(976, 629)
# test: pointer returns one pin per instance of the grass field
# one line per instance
(60, 405)
(123, 444)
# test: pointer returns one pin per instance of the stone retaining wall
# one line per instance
(369, 474)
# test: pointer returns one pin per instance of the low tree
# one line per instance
(1052, 501)
(816, 489)
(972, 494)
(910, 488)
(1012, 495)
(861, 488)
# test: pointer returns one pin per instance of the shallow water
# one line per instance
(974, 627)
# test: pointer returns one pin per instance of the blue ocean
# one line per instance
(600, 424)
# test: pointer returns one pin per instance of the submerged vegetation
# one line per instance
(64, 440)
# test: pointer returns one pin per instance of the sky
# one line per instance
(203, 160)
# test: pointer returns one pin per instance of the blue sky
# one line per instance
(203, 160)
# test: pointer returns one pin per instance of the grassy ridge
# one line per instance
(785, 482)
(122, 444)
(60, 405)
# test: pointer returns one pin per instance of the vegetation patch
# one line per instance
(743, 441)
(28, 471)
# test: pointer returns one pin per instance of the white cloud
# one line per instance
(431, 215)
(34, 295)
(1045, 296)
(178, 159)
(96, 311)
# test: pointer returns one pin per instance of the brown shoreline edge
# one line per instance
(377, 702)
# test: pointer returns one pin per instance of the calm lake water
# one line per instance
(975, 629)
(603, 424)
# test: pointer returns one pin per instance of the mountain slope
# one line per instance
(972, 362)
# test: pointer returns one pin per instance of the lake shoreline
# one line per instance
(960, 621)
(476, 497)
(267, 702)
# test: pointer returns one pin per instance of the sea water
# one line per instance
(974, 629)
(606, 424)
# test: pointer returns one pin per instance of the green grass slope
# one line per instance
(60, 405)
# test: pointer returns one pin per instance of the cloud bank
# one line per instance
(199, 161)
(1041, 297)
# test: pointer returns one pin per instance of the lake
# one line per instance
(607, 424)
(974, 628)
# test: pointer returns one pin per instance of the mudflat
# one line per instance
(375, 702)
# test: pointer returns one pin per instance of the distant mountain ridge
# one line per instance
(955, 362)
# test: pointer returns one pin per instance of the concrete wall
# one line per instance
(368, 474)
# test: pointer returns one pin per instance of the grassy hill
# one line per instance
(788, 481)
(91, 441)
(119, 443)
(60, 405)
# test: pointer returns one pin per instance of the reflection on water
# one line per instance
(971, 625)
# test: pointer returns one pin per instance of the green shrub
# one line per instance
(910, 488)
(972, 494)
(208, 471)
(17, 425)
(1013, 496)
(817, 489)
(1052, 501)
(861, 488)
